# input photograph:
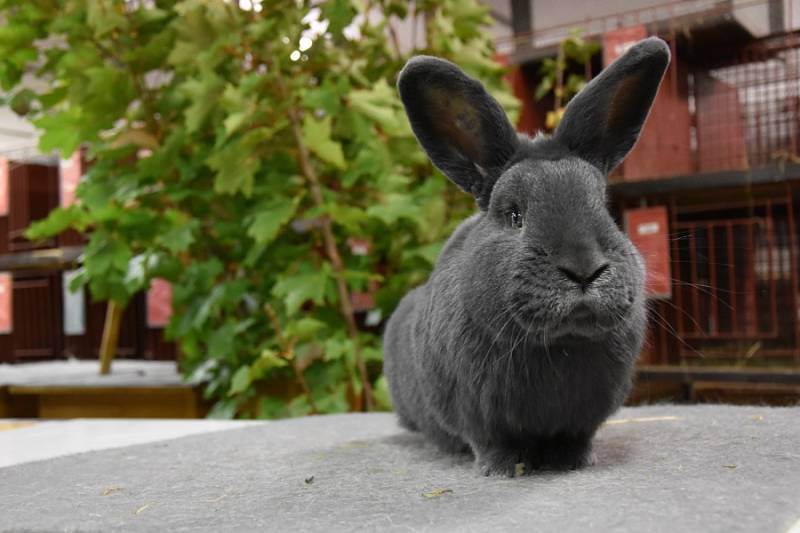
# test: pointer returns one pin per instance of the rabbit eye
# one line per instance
(516, 218)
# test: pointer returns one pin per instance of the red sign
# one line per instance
(6, 305)
(617, 42)
(159, 303)
(364, 301)
(4, 168)
(71, 172)
(501, 59)
(648, 229)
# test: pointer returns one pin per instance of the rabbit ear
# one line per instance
(464, 130)
(602, 123)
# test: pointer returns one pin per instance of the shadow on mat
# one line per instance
(611, 451)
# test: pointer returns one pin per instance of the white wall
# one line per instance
(552, 20)
(791, 14)
(754, 17)
(501, 28)
(18, 138)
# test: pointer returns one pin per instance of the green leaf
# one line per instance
(235, 165)
(223, 410)
(304, 329)
(203, 94)
(220, 345)
(202, 373)
(428, 252)
(57, 221)
(339, 13)
(111, 90)
(270, 407)
(382, 105)
(267, 361)
(373, 161)
(105, 253)
(299, 288)
(235, 120)
(181, 235)
(544, 87)
(22, 101)
(333, 402)
(317, 136)
(240, 106)
(97, 194)
(269, 220)
(394, 207)
(299, 406)
(79, 279)
(574, 85)
(105, 16)
(136, 278)
(151, 14)
(325, 98)
(370, 353)
(240, 381)
(337, 348)
(62, 132)
(390, 120)
(382, 396)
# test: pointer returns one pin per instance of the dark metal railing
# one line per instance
(747, 105)
(735, 283)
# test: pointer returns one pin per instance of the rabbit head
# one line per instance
(549, 255)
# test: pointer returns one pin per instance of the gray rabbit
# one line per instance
(523, 340)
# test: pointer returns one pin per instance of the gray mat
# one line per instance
(665, 468)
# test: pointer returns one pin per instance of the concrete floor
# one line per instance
(81, 372)
(665, 468)
(27, 441)
(75, 389)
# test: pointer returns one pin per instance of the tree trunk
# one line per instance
(108, 346)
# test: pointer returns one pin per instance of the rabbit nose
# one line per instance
(583, 273)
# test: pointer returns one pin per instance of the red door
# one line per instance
(37, 316)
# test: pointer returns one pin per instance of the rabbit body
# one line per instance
(473, 380)
(524, 338)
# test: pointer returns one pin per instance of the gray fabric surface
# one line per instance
(664, 468)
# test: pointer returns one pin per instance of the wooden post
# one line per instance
(108, 346)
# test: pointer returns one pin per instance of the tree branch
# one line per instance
(287, 345)
(329, 241)
(395, 40)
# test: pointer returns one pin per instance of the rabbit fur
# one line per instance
(523, 340)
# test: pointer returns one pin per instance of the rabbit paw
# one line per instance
(565, 454)
(550, 454)
(504, 462)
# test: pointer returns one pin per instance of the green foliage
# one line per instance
(238, 166)
(573, 52)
